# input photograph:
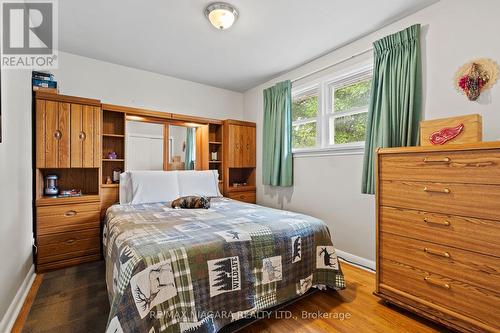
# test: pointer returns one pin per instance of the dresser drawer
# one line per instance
(461, 232)
(67, 210)
(248, 196)
(480, 270)
(477, 167)
(53, 219)
(481, 201)
(463, 298)
(68, 245)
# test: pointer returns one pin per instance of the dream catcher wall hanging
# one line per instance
(475, 77)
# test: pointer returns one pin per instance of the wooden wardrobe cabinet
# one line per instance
(239, 160)
(67, 133)
(68, 144)
(241, 144)
(438, 233)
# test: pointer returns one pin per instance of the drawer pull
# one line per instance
(437, 160)
(70, 213)
(70, 241)
(437, 253)
(434, 190)
(445, 223)
(429, 280)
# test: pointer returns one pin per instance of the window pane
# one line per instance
(348, 129)
(304, 136)
(305, 106)
(352, 96)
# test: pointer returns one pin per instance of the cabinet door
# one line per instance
(97, 136)
(76, 128)
(235, 145)
(53, 134)
(40, 133)
(63, 151)
(85, 131)
(86, 136)
(249, 147)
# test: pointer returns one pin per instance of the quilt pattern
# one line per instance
(197, 270)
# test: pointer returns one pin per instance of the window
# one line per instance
(339, 122)
(305, 119)
(348, 110)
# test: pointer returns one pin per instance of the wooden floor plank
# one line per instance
(75, 300)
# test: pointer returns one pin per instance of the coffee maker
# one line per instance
(51, 189)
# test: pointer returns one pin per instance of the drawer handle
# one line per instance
(70, 241)
(437, 160)
(437, 253)
(445, 223)
(429, 280)
(70, 213)
(58, 135)
(434, 190)
(82, 136)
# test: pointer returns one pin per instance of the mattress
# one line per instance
(197, 270)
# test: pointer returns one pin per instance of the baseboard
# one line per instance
(363, 263)
(15, 306)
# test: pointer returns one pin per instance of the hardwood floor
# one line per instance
(75, 300)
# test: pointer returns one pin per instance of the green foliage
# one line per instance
(305, 107)
(352, 96)
(350, 128)
(304, 136)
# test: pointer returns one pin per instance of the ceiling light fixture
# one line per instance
(222, 15)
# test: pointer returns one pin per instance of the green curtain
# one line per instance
(189, 158)
(396, 98)
(277, 137)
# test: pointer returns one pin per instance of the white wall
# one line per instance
(84, 77)
(329, 187)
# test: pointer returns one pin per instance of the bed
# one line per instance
(198, 270)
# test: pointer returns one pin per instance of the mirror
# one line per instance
(144, 145)
(181, 147)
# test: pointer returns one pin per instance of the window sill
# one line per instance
(357, 149)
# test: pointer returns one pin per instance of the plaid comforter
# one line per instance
(176, 270)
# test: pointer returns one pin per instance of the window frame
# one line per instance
(325, 112)
(301, 91)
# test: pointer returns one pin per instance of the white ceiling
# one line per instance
(173, 37)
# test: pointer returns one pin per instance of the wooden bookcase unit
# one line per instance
(67, 144)
(113, 139)
(215, 138)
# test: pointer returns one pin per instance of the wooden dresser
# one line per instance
(438, 233)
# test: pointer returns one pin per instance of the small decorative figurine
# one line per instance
(112, 155)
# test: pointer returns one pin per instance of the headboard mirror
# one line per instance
(159, 144)
(181, 147)
(144, 145)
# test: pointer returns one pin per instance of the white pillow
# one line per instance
(154, 186)
(200, 183)
(125, 188)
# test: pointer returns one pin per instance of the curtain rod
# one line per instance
(335, 64)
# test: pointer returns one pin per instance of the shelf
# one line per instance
(114, 135)
(48, 201)
(110, 185)
(215, 142)
(214, 161)
(113, 160)
(241, 188)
